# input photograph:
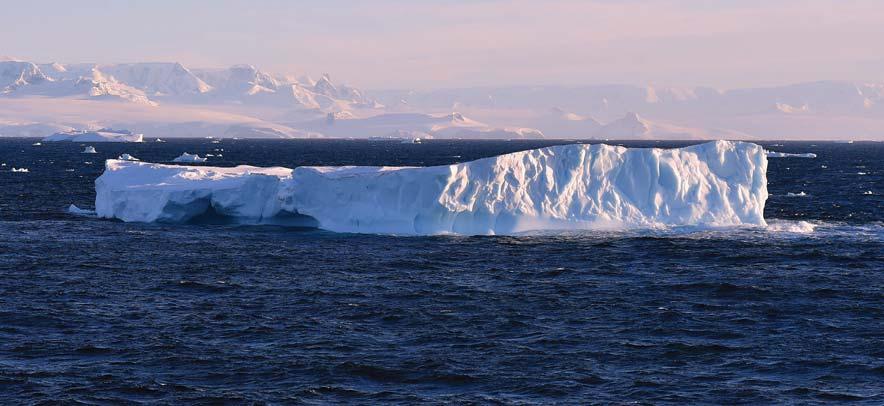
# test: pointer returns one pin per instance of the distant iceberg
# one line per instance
(20, 170)
(90, 150)
(774, 154)
(127, 157)
(565, 187)
(190, 158)
(102, 135)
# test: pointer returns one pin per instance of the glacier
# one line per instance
(567, 187)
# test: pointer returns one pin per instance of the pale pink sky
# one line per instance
(449, 43)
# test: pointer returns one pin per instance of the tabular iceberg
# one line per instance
(102, 135)
(564, 187)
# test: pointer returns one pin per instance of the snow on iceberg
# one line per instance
(102, 135)
(193, 158)
(569, 187)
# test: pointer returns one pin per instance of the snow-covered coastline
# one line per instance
(720, 183)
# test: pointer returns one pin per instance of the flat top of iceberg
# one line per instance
(556, 188)
(146, 175)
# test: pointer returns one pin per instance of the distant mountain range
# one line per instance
(169, 99)
(157, 83)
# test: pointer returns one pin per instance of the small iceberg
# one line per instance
(190, 158)
(415, 140)
(20, 170)
(90, 150)
(868, 193)
(73, 209)
(160, 140)
(36, 144)
(799, 194)
(127, 157)
(774, 154)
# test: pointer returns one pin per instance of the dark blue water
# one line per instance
(103, 312)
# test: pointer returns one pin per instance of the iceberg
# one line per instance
(102, 135)
(774, 154)
(20, 170)
(127, 157)
(191, 158)
(90, 150)
(73, 209)
(567, 187)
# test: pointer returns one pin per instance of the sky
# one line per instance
(385, 44)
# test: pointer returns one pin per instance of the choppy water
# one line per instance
(102, 312)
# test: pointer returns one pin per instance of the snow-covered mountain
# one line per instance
(173, 83)
(610, 101)
(18, 74)
(632, 126)
(813, 110)
(170, 99)
(158, 79)
(411, 125)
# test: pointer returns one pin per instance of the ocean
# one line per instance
(97, 311)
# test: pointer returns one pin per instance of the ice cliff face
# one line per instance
(557, 188)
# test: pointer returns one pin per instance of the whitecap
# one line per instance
(788, 226)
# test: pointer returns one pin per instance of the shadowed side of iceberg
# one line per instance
(147, 192)
(565, 187)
